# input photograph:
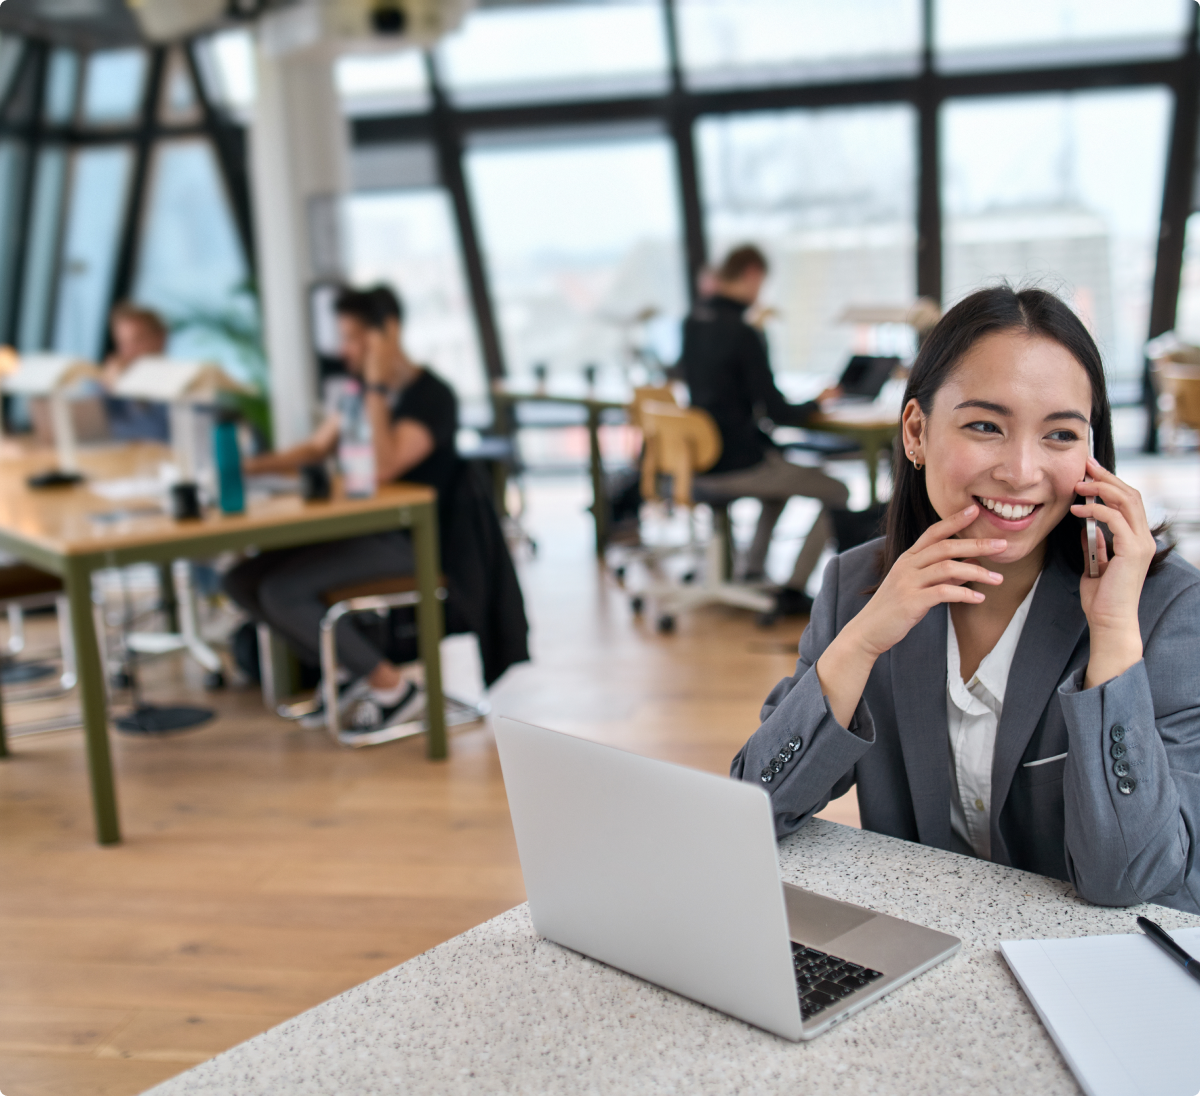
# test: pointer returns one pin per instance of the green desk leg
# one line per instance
(430, 623)
(3, 736)
(599, 490)
(92, 702)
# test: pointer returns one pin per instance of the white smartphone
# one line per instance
(1093, 559)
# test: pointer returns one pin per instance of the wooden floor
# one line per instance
(264, 870)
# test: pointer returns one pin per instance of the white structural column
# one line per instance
(299, 160)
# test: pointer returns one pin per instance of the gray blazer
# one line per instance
(1067, 818)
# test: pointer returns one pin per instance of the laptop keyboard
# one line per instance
(823, 980)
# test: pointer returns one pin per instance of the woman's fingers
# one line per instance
(943, 594)
(1116, 492)
(954, 571)
(960, 549)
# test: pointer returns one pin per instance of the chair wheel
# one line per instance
(214, 680)
(767, 620)
(689, 576)
(637, 604)
(666, 624)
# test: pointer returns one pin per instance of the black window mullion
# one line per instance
(929, 171)
(123, 276)
(450, 156)
(37, 57)
(680, 122)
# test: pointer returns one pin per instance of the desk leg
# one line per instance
(92, 701)
(430, 624)
(599, 489)
(871, 447)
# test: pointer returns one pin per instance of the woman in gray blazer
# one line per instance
(982, 692)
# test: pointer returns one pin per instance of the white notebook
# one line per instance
(1125, 1016)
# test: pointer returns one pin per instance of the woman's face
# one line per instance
(1009, 431)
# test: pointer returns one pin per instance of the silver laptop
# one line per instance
(671, 874)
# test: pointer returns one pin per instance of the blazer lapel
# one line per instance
(919, 689)
(1051, 633)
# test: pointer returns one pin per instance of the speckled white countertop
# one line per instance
(500, 1010)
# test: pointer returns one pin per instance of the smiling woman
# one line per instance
(1067, 706)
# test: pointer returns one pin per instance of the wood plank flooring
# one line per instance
(264, 870)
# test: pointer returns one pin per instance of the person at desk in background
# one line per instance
(414, 420)
(984, 693)
(725, 365)
(97, 414)
(136, 333)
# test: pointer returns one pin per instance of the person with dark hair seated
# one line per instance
(998, 676)
(414, 418)
(728, 374)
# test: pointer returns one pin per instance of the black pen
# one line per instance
(1192, 966)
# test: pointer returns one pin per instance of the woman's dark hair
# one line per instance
(372, 307)
(1032, 312)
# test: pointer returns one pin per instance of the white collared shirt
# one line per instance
(973, 712)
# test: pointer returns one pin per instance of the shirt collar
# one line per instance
(993, 670)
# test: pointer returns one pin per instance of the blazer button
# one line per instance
(1118, 733)
(775, 765)
(795, 743)
(767, 776)
(1118, 751)
(1121, 768)
(785, 755)
(1126, 785)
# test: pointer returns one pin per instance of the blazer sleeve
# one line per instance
(1132, 838)
(800, 754)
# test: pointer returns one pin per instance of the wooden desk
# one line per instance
(500, 1009)
(505, 398)
(58, 531)
(867, 426)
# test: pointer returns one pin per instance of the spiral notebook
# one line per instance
(1125, 1016)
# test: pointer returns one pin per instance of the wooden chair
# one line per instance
(680, 443)
(1179, 382)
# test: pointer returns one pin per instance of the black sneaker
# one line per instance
(369, 715)
(789, 602)
(349, 693)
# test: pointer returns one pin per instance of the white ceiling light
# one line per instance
(170, 20)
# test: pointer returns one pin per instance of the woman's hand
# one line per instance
(933, 571)
(376, 362)
(1110, 602)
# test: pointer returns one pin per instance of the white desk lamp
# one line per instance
(183, 386)
(53, 376)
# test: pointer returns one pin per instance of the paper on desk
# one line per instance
(131, 487)
(1125, 1016)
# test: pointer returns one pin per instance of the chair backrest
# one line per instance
(1182, 384)
(650, 393)
(679, 442)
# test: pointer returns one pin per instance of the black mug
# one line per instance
(314, 482)
(185, 501)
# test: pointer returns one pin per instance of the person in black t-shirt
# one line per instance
(414, 420)
(728, 374)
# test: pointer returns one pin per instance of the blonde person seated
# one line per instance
(983, 693)
(136, 332)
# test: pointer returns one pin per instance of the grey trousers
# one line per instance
(773, 482)
(283, 589)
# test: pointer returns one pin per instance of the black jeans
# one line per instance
(283, 589)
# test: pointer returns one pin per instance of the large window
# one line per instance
(1063, 191)
(407, 239)
(787, 41)
(548, 51)
(41, 255)
(1030, 33)
(99, 195)
(191, 266)
(829, 195)
(582, 247)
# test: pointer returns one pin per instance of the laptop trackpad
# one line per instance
(814, 919)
